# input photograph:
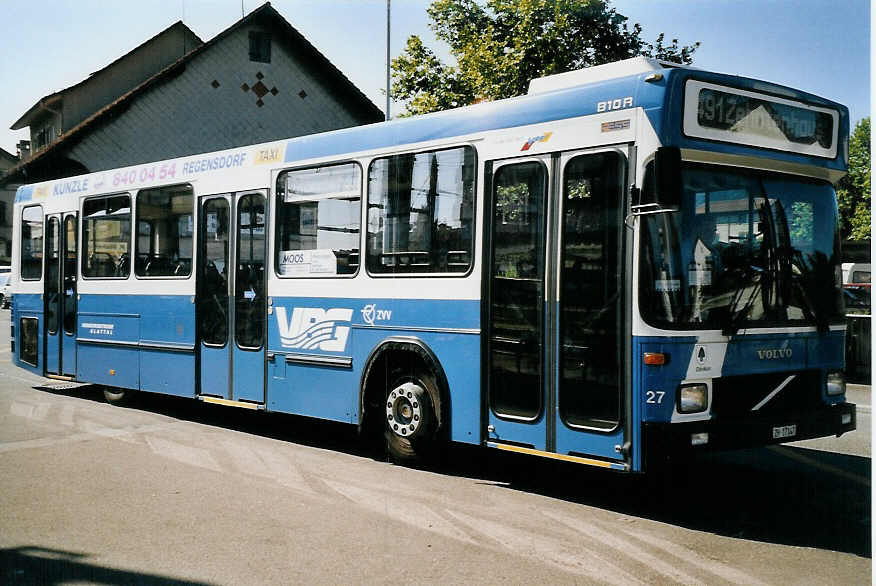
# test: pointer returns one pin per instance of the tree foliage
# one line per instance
(853, 191)
(500, 45)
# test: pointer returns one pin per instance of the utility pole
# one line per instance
(387, 59)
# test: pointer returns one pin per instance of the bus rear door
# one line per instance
(60, 295)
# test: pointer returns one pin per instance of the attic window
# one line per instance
(44, 137)
(260, 46)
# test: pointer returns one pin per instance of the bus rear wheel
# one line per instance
(411, 419)
(116, 396)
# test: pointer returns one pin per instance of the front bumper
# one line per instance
(661, 440)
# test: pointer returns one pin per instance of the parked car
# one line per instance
(5, 294)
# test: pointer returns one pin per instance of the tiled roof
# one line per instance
(25, 119)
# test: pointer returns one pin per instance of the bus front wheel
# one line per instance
(410, 415)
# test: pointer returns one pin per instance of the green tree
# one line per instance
(500, 45)
(853, 191)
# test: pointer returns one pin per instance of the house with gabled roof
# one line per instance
(7, 161)
(174, 95)
(258, 80)
(53, 115)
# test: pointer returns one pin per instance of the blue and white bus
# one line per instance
(632, 261)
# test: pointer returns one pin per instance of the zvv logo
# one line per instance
(314, 328)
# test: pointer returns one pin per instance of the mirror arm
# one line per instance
(646, 209)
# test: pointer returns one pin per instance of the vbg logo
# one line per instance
(312, 328)
(370, 314)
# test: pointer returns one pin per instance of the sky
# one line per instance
(819, 46)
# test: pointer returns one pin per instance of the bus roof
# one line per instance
(553, 102)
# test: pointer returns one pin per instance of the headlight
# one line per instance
(836, 383)
(693, 398)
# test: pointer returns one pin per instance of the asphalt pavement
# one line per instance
(171, 491)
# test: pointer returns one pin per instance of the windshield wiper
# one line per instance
(784, 255)
(735, 318)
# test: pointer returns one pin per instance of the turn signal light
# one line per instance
(655, 358)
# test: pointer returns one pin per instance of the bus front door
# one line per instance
(60, 295)
(231, 304)
(555, 306)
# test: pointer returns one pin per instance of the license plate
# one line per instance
(783, 431)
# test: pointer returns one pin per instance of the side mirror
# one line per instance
(667, 168)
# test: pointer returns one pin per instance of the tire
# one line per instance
(412, 418)
(116, 396)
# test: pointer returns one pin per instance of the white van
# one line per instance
(856, 273)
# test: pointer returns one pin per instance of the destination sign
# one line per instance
(739, 116)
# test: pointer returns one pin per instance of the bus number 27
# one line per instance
(654, 397)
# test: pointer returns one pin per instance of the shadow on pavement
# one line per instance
(781, 494)
(784, 495)
(37, 565)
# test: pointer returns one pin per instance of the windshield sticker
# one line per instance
(667, 285)
(295, 263)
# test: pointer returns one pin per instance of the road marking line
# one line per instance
(265, 464)
(690, 556)
(183, 453)
(95, 428)
(407, 511)
(21, 409)
(283, 471)
(47, 442)
(41, 411)
(624, 548)
(30, 380)
(66, 416)
(570, 557)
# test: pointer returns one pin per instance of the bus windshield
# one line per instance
(745, 249)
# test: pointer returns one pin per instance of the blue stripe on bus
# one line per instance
(24, 193)
(520, 111)
(662, 102)
(354, 328)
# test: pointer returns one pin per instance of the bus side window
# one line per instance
(106, 236)
(32, 243)
(318, 217)
(165, 225)
(421, 212)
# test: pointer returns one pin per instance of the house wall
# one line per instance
(7, 197)
(186, 114)
(6, 163)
